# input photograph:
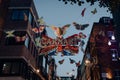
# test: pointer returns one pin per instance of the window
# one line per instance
(19, 14)
(114, 54)
(117, 74)
(110, 33)
(6, 68)
(15, 68)
(30, 18)
(106, 20)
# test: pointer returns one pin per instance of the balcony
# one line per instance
(20, 51)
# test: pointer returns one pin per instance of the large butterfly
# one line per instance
(10, 33)
(80, 26)
(19, 38)
(94, 11)
(60, 31)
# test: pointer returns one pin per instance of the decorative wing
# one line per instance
(81, 35)
(65, 27)
(72, 61)
(77, 64)
(35, 30)
(47, 49)
(94, 11)
(61, 61)
(80, 26)
(83, 12)
(10, 33)
(41, 21)
(19, 39)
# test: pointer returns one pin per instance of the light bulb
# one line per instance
(109, 43)
(113, 37)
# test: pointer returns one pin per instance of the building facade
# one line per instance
(19, 54)
(102, 56)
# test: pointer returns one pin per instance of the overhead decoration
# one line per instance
(41, 21)
(80, 26)
(60, 31)
(37, 41)
(94, 11)
(10, 33)
(19, 38)
(72, 61)
(72, 73)
(83, 12)
(77, 63)
(67, 46)
(39, 29)
(61, 61)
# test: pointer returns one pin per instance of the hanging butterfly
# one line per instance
(82, 43)
(37, 41)
(65, 53)
(72, 61)
(81, 35)
(39, 29)
(41, 21)
(80, 26)
(71, 73)
(94, 11)
(83, 12)
(19, 39)
(10, 33)
(61, 61)
(60, 31)
(52, 53)
(77, 64)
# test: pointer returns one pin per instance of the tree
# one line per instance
(112, 5)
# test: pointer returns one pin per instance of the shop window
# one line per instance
(15, 68)
(6, 68)
(30, 18)
(19, 14)
(110, 33)
(10, 41)
(117, 75)
(114, 54)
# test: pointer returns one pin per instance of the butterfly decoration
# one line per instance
(65, 53)
(77, 63)
(60, 31)
(82, 36)
(61, 61)
(72, 61)
(71, 73)
(19, 38)
(83, 12)
(82, 43)
(80, 26)
(37, 41)
(51, 53)
(38, 29)
(94, 11)
(41, 21)
(10, 33)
